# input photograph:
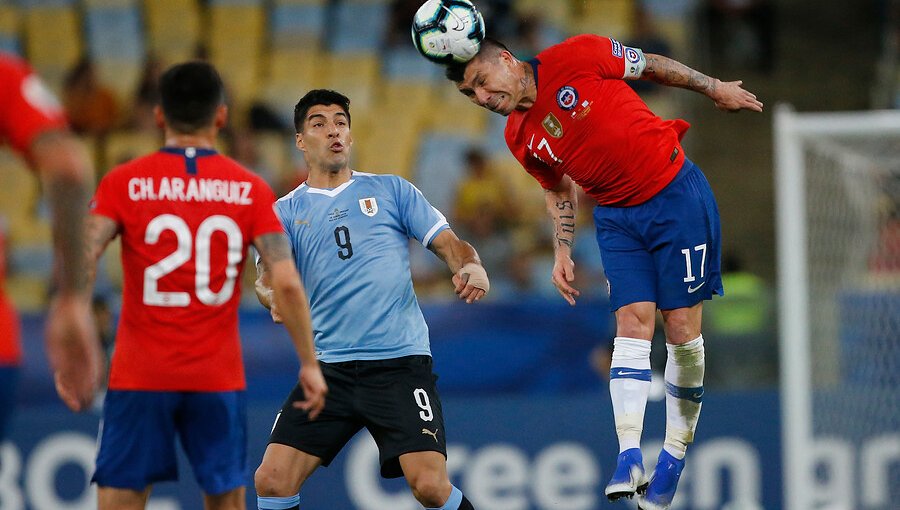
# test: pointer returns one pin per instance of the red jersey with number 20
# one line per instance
(186, 217)
(587, 123)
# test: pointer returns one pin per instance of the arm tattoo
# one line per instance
(99, 231)
(273, 248)
(69, 199)
(669, 72)
(564, 222)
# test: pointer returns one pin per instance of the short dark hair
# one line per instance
(189, 95)
(456, 71)
(324, 97)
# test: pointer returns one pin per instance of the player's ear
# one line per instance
(299, 142)
(221, 118)
(159, 117)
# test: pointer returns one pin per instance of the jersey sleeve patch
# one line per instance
(635, 62)
(616, 48)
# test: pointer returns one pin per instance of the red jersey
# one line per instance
(27, 109)
(587, 123)
(186, 218)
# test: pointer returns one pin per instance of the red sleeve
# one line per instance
(105, 200)
(267, 221)
(602, 54)
(29, 107)
(545, 175)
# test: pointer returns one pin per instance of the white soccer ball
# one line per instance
(446, 31)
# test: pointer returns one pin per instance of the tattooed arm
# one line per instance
(562, 203)
(728, 96)
(73, 347)
(281, 287)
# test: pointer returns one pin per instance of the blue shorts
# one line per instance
(9, 379)
(137, 439)
(667, 250)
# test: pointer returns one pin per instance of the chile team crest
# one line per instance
(368, 206)
(567, 97)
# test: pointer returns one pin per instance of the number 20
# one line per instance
(182, 254)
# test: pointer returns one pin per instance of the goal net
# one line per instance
(838, 214)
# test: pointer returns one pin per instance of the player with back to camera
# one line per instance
(572, 120)
(350, 234)
(186, 216)
(32, 122)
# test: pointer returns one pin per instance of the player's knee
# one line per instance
(631, 323)
(430, 489)
(681, 328)
(269, 483)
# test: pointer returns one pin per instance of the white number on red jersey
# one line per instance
(202, 247)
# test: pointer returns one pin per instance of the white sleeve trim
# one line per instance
(431, 233)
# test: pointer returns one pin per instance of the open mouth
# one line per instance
(337, 147)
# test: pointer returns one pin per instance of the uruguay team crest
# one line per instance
(368, 206)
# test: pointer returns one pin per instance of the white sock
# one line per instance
(629, 385)
(684, 393)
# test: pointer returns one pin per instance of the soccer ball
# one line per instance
(447, 31)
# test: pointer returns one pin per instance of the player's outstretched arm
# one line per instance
(728, 96)
(562, 202)
(290, 297)
(470, 280)
(73, 347)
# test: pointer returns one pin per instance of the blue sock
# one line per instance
(453, 501)
(273, 503)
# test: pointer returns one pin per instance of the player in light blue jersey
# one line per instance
(350, 235)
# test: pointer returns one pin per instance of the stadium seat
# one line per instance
(19, 188)
(122, 146)
(439, 167)
(412, 98)
(9, 28)
(27, 292)
(385, 142)
(236, 38)
(454, 113)
(115, 41)
(356, 75)
(405, 63)
(614, 18)
(53, 41)
(297, 23)
(173, 29)
(289, 74)
(359, 26)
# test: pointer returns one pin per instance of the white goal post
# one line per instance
(837, 177)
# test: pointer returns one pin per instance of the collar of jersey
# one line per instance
(333, 192)
(534, 67)
(182, 151)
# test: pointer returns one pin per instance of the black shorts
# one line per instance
(395, 399)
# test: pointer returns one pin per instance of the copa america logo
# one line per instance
(567, 97)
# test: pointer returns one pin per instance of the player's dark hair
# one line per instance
(490, 47)
(189, 95)
(324, 97)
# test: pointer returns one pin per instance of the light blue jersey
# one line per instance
(351, 245)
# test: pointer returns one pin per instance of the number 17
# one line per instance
(687, 262)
